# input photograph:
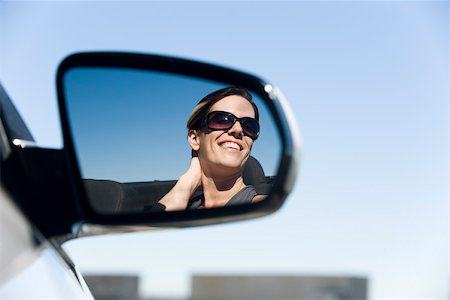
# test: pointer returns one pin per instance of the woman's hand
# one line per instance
(178, 197)
(193, 175)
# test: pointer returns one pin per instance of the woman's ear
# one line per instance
(193, 139)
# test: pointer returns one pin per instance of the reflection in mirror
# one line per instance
(154, 141)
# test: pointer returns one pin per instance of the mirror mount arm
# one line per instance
(50, 199)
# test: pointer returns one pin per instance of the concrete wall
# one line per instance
(113, 287)
(212, 287)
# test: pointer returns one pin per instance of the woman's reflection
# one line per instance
(221, 131)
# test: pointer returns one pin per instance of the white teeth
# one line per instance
(231, 145)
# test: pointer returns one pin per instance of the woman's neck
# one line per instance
(218, 191)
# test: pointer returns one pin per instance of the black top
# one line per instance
(244, 196)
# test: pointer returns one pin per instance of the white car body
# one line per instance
(31, 271)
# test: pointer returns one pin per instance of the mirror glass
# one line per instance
(132, 145)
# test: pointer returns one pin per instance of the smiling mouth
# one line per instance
(231, 146)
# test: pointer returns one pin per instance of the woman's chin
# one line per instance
(232, 163)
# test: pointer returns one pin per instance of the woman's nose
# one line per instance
(236, 130)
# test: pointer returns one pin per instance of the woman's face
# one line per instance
(225, 151)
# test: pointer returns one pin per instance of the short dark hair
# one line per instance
(196, 119)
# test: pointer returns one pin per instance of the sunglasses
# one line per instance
(222, 120)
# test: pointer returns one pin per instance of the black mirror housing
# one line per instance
(78, 74)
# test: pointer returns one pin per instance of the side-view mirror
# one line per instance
(162, 141)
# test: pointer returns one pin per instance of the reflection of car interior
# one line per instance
(109, 196)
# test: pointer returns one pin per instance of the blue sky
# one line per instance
(369, 85)
(131, 111)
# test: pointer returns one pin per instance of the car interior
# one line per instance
(109, 196)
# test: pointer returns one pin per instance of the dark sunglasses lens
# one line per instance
(250, 127)
(220, 121)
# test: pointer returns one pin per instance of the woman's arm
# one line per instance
(178, 197)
